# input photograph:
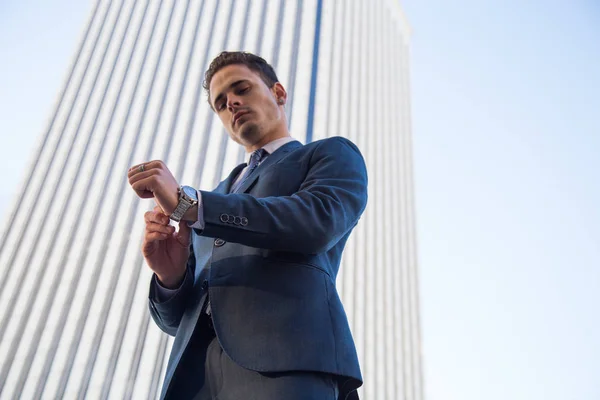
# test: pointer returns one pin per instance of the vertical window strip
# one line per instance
(313, 78)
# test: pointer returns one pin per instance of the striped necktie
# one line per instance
(255, 159)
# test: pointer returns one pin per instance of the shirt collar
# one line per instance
(271, 147)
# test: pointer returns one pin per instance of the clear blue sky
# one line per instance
(506, 117)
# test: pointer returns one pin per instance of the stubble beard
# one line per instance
(250, 133)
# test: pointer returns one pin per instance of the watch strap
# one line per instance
(184, 204)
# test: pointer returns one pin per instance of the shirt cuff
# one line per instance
(163, 294)
(199, 224)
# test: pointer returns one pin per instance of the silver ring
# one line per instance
(141, 168)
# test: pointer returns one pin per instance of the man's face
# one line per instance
(248, 108)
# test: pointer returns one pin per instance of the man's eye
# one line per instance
(220, 106)
(243, 90)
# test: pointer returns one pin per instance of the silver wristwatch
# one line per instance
(187, 198)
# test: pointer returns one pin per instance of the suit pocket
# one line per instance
(296, 264)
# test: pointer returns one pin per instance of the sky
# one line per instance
(506, 132)
(505, 105)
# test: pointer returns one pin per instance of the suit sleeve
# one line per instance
(167, 314)
(328, 204)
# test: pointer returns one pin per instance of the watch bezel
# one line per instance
(189, 192)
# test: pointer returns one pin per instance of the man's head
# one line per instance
(245, 93)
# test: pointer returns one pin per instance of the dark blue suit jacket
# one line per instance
(269, 256)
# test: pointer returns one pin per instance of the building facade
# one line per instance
(73, 284)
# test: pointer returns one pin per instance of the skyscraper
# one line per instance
(73, 284)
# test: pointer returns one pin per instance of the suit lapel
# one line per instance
(225, 185)
(272, 159)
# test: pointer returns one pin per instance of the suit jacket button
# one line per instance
(219, 242)
(244, 221)
(237, 220)
(224, 218)
(230, 219)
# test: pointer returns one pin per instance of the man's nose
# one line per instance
(233, 102)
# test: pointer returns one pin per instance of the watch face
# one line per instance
(190, 192)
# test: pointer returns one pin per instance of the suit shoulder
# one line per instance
(335, 143)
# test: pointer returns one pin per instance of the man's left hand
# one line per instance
(153, 179)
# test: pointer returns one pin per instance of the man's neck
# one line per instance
(266, 140)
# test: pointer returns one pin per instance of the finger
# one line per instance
(144, 194)
(137, 169)
(163, 215)
(147, 166)
(160, 228)
(155, 237)
(156, 216)
(162, 212)
(183, 236)
(138, 176)
(144, 187)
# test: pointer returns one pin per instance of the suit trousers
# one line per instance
(207, 373)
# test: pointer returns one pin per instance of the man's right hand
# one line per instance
(165, 250)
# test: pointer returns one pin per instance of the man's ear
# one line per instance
(280, 93)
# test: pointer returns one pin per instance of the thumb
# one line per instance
(183, 235)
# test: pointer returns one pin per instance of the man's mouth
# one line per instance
(238, 115)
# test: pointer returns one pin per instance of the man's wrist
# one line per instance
(171, 281)
(191, 215)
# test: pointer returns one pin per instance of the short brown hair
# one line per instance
(252, 61)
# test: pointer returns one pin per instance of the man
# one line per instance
(247, 283)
